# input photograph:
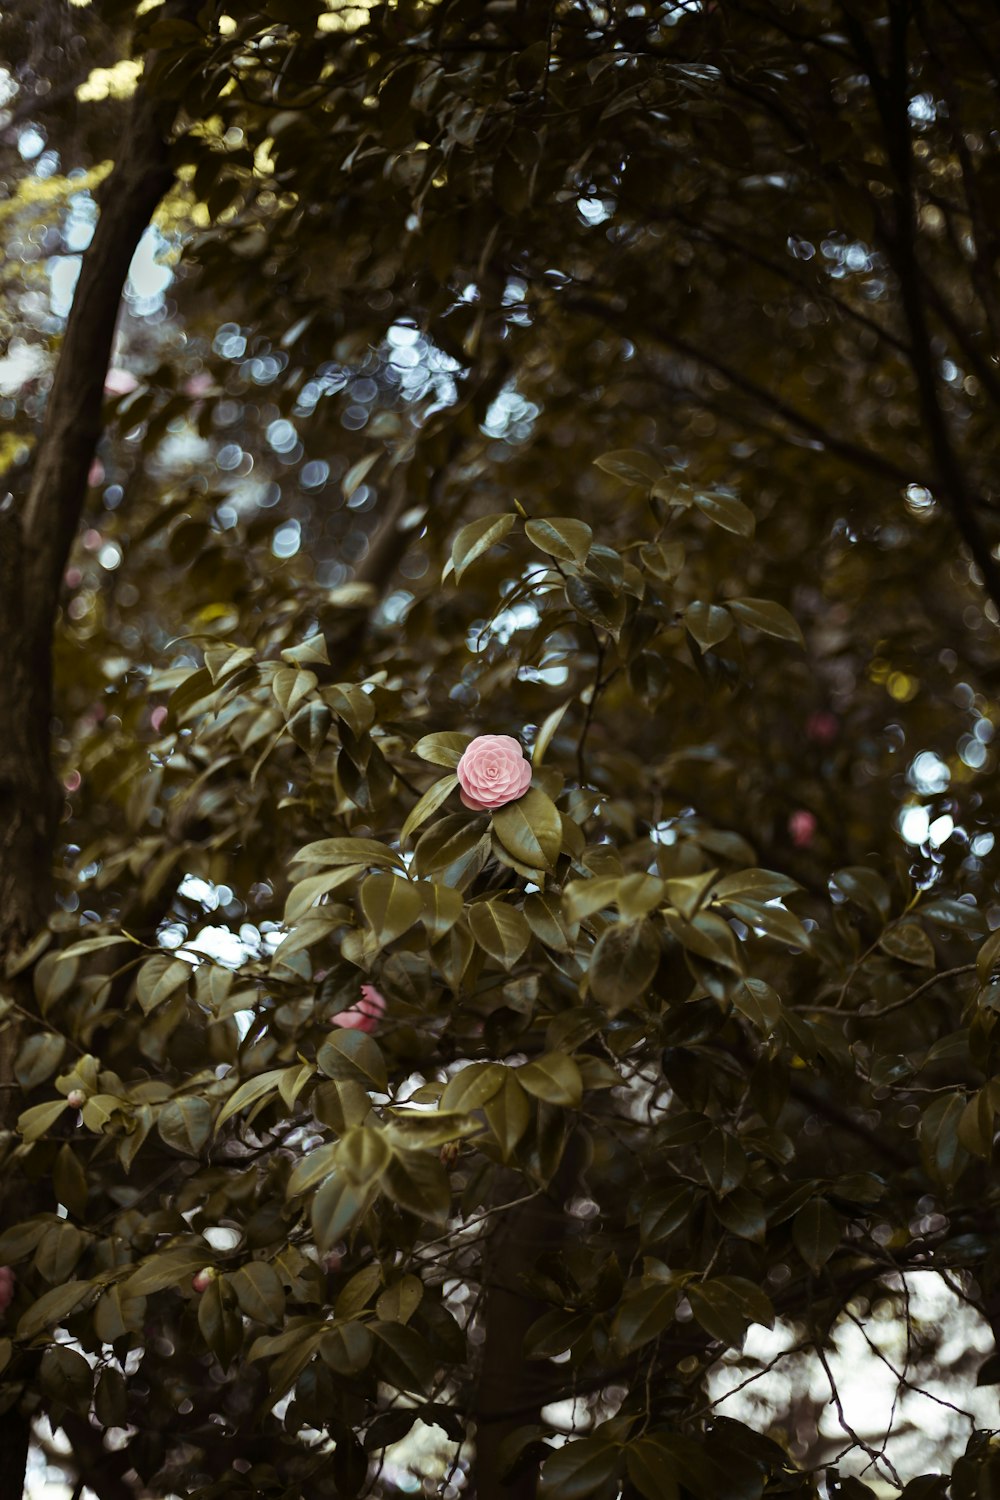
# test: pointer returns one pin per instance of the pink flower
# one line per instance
(198, 384)
(203, 1279)
(364, 1016)
(822, 727)
(802, 827)
(119, 382)
(6, 1288)
(492, 772)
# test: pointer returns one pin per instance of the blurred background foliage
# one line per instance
(712, 287)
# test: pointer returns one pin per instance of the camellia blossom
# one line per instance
(802, 827)
(492, 772)
(364, 1016)
(822, 727)
(6, 1288)
(119, 382)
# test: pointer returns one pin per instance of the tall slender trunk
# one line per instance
(34, 543)
(511, 1390)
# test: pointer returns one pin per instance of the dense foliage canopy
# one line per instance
(620, 377)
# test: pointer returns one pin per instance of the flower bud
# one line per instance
(76, 1098)
(204, 1278)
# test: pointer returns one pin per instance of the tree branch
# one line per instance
(72, 426)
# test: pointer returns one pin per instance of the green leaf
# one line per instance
(943, 1154)
(336, 1207)
(708, 623)
(766, 616)
(726, 511)
(358, 472)
(724, 1161)
(310, 727)
(441, 908)
(442, 749)
(66, 1377)
(756, 1000)
(429, 803)
(363, 852)
(665, 1210)
(111, 1398)
(418, 1182)
(35, 1122)
(353, 1057)
(347, 1348)
(404, 1359)
(186, 1125)
(752, 885)
(530, 829)
(472, 1085)
(160, 979)
(358, 1293)
(865, 888)
(909, 942)
(305, 895)
(38, 1058)
(988, 957)
(597, 604)
(58, 1253)
(477, 538)
(69, 1181)
(546, 732)
(561, 536)
(364, 1153)
(726, 1306)
(555, 1332)
(500, 929)
(508, 1114)
(816, 1231)
(264, 1085)
(554, 1078)
(545, 917)
(310, 652)
(426, 1128)
(259, 1291)
(391, 906)
(54, 1307)
(743, 1214)
(291, 686)
(624, 963)
(645, 1315)
(20, 1240)
(166, 1268)
(584, 1466)
(630, 465)
(400, 1301)
(650, 1470)
(583, 897)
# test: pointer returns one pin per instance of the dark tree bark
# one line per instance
(35, 540)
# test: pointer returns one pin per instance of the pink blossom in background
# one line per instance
(802, 827)
(157, 717)
(822, 727)
(198, 385)
(364, 1016)
(6, 1288)
(492, 772)
(119, 382)
(96, 474)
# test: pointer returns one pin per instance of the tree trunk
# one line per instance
(34, 543)
(512, 1390)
